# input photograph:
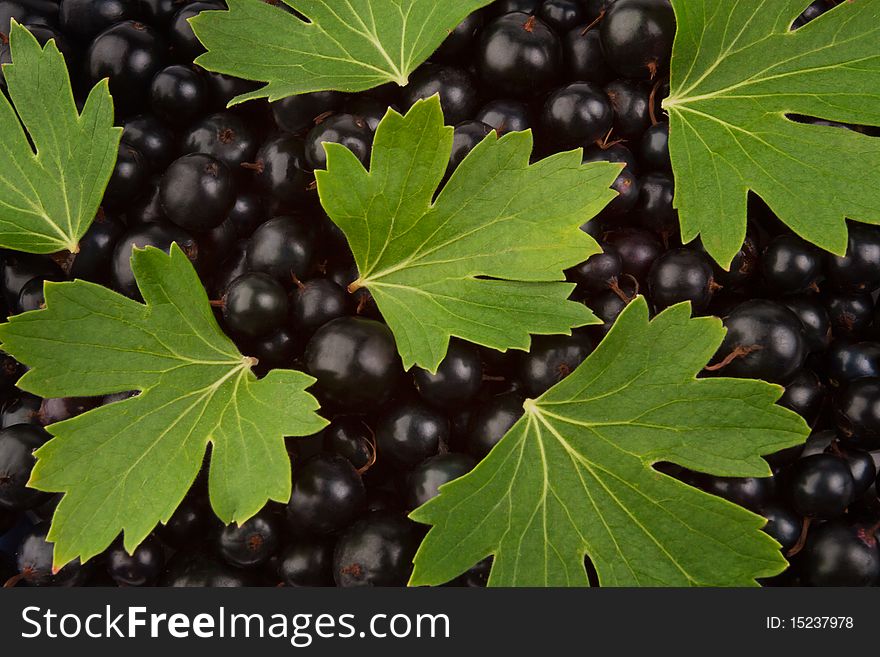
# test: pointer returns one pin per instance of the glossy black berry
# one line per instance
(764, 340)
(283, 247)
(224, 136)
(178, 94)
(492, 419)
(851, 313)
(129, 178)
(251, 543)
(139, 568)
(456, 89)
(460, 40)
(344, 129)
(280, 169)
(307, 562)
(791, 265)
(598, 273)
(804, 395)
(575, 115)
(297, 113)
(355, 361)
(839, 554)
(630, 100)
(457, 380)
(550, 359)
(637, 36)
(349, 436)
(505, 116)
(152, 139)
(185, 46)
(17, 444)
(638, 249)
(200, 570)
(316, 302)
(327, 495)
(859, 269)
(783, 525)
(814, 318)
(156, 235)
(847, 361)
(86, 18)
(519, 55)
(584, 59)
(682, 275)
(409, 433)
(35, 564)
(423, 481)
(129, 53)
(255, 305)
(654, 149)
(466, 137)
(857, 410)
(376, 551)
(822, 486)
(197, 192)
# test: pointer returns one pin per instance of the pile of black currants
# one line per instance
(235, 189)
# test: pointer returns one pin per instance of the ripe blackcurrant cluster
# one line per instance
(235, 188)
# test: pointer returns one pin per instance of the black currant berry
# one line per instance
(764, 340)
(129, 53)
(409, 433)
(139, 568)
(178, 94)
(307, 562)
(376, 551)
(491, 421)
(17, 444)
(327, 495)
(458, 378)
(255, 305)
(284, 248)
(197, 192)
(345, 129)
(505, 116)
(455, 87)
(250, 544)
(839, 554)
(575, 115)
(822, 486)
(637, 36)
(423, 481)
(519, 55)
(682, 275)
(280, 169)
(355, 362)
(316, 302)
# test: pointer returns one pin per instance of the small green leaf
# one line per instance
(346, 45)
(484, 260)
(49, 198)
(737, 71)
(574, 476)
(126, 466)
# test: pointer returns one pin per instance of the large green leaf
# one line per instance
(346, 45)
(575, 475)
(737, 71)
(49, 198)
(127, 465)
(484, 260)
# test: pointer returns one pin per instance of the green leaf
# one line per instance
(484, 260)
(347, 45)
(574, 476)
(126, 466)
(737, 71)
(49, 198)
